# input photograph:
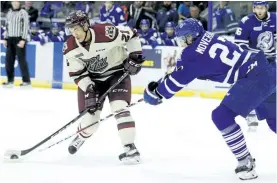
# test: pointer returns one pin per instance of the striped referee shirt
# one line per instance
(17, 24)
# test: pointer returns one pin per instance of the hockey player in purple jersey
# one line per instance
(256, 32)
(112, 13)
(36, 34)
(207, 56)
(147, 35)
(56, 34)
(168, 37)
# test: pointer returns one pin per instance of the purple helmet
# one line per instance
(261, 3)
(189, 28)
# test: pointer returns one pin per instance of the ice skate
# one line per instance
(252, 122)
(131, 155)
(76, 144)
(246, 169)
(25, 85)
(7, 84)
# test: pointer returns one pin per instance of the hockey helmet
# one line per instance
(261, 3)
(76, 18)
(169, 28)
(144, 24)
(188, 31)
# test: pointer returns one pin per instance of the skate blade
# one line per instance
(9, 86)
(131, 160)
(247, 175)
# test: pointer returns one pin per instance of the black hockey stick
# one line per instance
(82, 129)
(15, 154)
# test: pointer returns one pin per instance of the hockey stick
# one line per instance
(82, 129)
(15, 154)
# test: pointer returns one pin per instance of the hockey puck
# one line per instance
(14, 156)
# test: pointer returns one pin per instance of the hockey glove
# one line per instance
(91, 98)
(133, 63)
(151, 96)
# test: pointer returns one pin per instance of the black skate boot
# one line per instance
(131, 155)
(246, 169)
(76, 144)
(25, 85)
(8, 84)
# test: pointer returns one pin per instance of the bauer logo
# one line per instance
(30, 58)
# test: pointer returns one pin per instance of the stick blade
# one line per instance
(12, 155)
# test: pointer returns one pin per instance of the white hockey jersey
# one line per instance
(106, 54)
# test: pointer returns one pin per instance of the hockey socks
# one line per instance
(234, 138)
(224, 119)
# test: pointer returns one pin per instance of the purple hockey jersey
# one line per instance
(254, 34)
(115, 15)
(168, 40)
(150, 37)
(210, 57)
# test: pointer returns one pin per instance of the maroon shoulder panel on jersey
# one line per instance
(69, 45)
(105, 33)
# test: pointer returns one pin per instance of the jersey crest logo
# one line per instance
(265, 40)
(110, 32)
(95, 64)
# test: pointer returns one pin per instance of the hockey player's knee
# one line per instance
(272, 124)
(223, 117)
(87, 120)
(125, 123)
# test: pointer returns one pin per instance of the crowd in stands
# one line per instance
(155, 21)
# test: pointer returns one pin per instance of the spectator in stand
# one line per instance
(112, 13)
(84, 6)
(52, 9)
(46, 10)
(183, 10)
(125, 10)
(68, 7)
(194, 13)
(56, 34)
(35, 34)
(224, 20)
(3, 30)
(168, 37)
(32, 12)
(148, 36)
(137, 12)
(166, 14)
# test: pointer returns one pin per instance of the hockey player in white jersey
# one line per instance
(96, 59)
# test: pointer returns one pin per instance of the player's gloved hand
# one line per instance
(91, 98)
(133, 63)
(151, 96)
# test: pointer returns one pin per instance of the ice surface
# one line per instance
(177, 140)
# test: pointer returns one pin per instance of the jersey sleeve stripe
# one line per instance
(78, 73)
(167, 88)
(241, 41)
(176, 82)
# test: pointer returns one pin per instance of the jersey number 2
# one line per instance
(224, 56)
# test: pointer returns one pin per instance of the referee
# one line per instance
(17, 25)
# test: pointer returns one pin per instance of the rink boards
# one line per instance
(47, 68)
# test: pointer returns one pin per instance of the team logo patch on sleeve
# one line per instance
(110, 32)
